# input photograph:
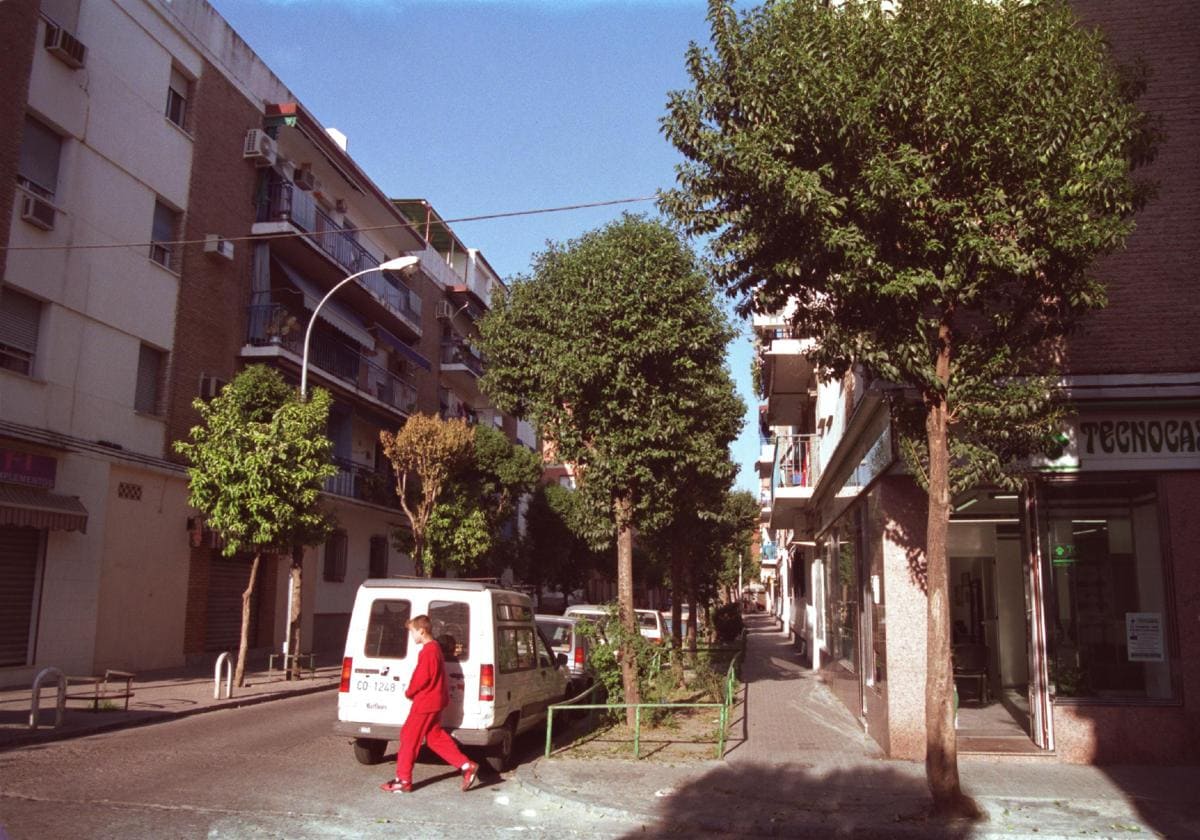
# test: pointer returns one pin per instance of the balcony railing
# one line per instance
(796, 462)
(460, 353)
(285, 202)
(354, 481)
(268, 324)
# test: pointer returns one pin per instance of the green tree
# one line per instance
(614, 349)
(425, 453)
(259, 460)
(556, 551)
(472, 526)
(931, 185)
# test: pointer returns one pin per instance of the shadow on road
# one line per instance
(798, 801)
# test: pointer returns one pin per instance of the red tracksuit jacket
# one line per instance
(427, 688)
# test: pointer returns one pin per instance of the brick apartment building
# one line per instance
(1076, 633)
(176, 214)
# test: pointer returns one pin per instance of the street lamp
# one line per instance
(398, 264)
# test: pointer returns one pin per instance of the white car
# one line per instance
(650, 622)
(499, 668)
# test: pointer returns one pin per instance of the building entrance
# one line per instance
(990, 636)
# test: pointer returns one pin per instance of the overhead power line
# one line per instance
(395, 226)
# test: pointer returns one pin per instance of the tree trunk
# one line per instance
(295, 581)
(693, 611)
(677, 585)
(240, 671)
(629, 671)
(941, 745)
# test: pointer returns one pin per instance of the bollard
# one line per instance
(36, 701)
(223, 659)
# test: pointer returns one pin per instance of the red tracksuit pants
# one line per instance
(425, 727)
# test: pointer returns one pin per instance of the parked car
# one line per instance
(499, 667)
(650, 622)
(565, 640)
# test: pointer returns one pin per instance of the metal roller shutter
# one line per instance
(227, 579)
(19, 552)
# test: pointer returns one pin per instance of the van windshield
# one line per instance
(387, 629)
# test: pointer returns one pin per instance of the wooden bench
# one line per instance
(107, 687)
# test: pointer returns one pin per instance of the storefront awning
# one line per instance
(332, 313)
(26, 507)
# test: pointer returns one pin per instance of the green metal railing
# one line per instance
(730, 691)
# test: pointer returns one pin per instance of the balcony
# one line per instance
(795, 473)
(287, 209)
(355, 481)
(788, 375)
(338, 361)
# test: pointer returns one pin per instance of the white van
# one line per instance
(650, 622)
(499, 668)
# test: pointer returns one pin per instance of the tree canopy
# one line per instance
(258, 463)
(614, 348)
(930, 182)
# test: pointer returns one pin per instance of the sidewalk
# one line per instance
(798, 764)
(157, 696)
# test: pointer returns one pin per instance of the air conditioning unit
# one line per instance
(64, 46)
(37, 211)
(218, 245)
(210, 386)
(443, 310)
(304, 179)
(340, 205)
(259, 147)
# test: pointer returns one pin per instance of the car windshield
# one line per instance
(648, 620)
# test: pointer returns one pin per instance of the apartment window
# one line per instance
(37, 169)
(163, 235)
(177, 98)
(335, 557)
(379, 557)
(20, 316)
(149, 373)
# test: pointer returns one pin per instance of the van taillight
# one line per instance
(347, 667)
(487, 683)
(578, 657)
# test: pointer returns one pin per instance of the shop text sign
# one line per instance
(1158, 440)
(27, 468)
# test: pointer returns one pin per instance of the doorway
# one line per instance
(990, 634)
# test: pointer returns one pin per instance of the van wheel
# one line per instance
(369, 750)
(501, 760)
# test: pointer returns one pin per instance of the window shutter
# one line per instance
(19, 317)
(149, 368)
(40, 149)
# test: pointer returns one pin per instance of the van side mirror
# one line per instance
(561, 660)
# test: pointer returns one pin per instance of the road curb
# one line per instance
(528, 780)
(46, 736)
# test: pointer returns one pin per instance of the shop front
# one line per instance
(1066, 599)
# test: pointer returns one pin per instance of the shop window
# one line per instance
(1108, 610)
(844, 590)
(335, 557)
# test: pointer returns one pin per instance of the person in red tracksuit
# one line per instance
(429, 695)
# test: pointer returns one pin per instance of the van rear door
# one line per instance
(381, 667)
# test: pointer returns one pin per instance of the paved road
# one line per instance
(274, 770)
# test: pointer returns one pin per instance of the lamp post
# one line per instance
(398, 264)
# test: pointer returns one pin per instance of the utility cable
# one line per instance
(270, 236)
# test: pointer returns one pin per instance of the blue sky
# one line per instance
(487, 106)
